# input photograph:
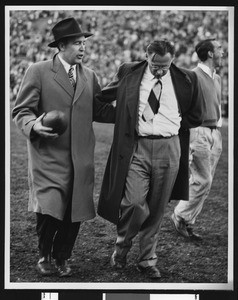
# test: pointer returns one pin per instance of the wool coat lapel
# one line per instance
(61, 77)
(80, 83)
(182, 87)
(133, 81)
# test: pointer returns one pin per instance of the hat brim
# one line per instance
(55, 43)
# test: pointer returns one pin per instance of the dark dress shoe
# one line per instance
(117, 262)
(193, 236)
(45, 267)
(63, 268)
(150, 272)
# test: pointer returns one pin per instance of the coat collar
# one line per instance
(178, 73)
(133, 81)
(138, 65)
(182, 86)
(62, 79)
(81, 81)
(173, 69)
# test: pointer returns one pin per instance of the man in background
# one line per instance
(205, 140)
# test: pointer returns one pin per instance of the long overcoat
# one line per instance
(61, 169)
(125, 89)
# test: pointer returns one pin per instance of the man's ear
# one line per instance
(210, 54)
(61, 46)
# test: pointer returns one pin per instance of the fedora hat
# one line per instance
(67, 28)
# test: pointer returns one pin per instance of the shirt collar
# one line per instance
(65, 64)
(207, 70)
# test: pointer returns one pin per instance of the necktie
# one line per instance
(71, 76)
(152, 106)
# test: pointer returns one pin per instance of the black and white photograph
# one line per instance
(119, 148)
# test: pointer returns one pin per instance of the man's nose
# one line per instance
(159, 72)
(82, 46)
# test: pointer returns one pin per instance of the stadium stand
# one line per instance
(119, 35)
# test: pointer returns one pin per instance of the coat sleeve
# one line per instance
(194, 116)
(109, 93)
(25, 110)
(103, 111)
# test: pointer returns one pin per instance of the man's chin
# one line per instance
(78, 60)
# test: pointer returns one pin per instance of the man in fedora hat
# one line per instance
(61, 167)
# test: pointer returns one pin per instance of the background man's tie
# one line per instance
(71, 76)
(152, 106)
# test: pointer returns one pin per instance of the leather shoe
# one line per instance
(180, 226)
(63, 268)
(44, 267)
(117, 262)
(150, 272)
(184, 229)
(193, 236)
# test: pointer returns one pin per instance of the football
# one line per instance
(56, 120)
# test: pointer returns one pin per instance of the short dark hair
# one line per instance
(160, 47)
(64, 40)
(203, 47)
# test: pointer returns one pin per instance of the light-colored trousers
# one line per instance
(205, 151)
(151, 177)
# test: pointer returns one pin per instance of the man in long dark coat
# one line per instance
(157, 103)
(61, 167)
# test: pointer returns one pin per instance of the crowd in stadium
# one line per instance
(118, 36)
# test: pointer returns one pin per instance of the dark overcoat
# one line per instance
(125, 89)
(62, 169)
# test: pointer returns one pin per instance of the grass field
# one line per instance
(179, 261)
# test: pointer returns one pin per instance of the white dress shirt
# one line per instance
(167, 121)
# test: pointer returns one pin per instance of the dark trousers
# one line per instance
(56, 238)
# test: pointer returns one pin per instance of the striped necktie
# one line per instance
(152, 106)
(71, 76)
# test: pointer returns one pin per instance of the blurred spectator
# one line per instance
(119, 35)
